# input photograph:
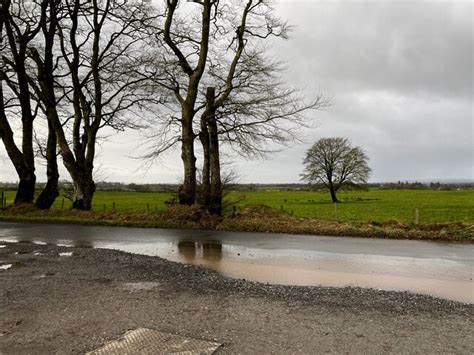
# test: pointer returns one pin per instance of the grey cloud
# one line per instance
(408, 47)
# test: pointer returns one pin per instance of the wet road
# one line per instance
(441, 269)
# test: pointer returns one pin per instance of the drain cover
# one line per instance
(147, 341)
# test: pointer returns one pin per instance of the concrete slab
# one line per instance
(147, 341)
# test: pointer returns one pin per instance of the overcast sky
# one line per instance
(400, 75)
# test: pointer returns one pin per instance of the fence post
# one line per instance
(3, 200)
(147, 208)
(417, 216)
(62, 205)
(113, 206)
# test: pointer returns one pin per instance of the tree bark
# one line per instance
(84, 188)
(26, 188)
(215, 199)
(47, 197)
(332, 190)
(187, 192)
(206, 167)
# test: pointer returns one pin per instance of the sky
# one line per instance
(400, 78)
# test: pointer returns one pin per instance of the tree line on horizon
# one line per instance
(183, 72)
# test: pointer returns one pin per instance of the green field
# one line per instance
(373, 205)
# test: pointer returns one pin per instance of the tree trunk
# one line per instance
(332, 190)
(215, 200)
(206, 168)
(24, 165)
(47, 197)
(26, 188)
(26, 173)
(84, 188)
(187, 192)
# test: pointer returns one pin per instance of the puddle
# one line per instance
(443, 270)
(140, 286)
(5, 266)
(69, 253)
(37, 253)
(2, 246)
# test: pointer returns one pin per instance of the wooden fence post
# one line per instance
(417, 216)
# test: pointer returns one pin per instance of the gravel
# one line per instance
(52, 302)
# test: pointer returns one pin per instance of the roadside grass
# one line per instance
(443, 215)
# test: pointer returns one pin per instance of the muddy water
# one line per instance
(443, 270)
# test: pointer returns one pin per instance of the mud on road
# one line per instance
(52, 301)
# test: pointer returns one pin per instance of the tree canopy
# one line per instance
(334, 162)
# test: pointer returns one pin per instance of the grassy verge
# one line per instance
(248, 219)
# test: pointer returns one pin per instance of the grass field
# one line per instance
(373, 205)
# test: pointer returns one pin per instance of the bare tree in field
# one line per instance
(334, 163)
(97, 41)
(94, 46)
(187, 44)
(16, 34)
(71, 61)
(227, 89)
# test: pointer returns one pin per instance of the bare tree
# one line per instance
(217, 71)
(82, 65)
(334, 163)
(263, 110)
(186, 63)
(19, 25)
(93, 45)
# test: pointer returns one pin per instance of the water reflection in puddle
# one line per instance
(439, 277)
(5, 266)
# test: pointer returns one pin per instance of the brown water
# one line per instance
(441, 278)
(443, 270)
